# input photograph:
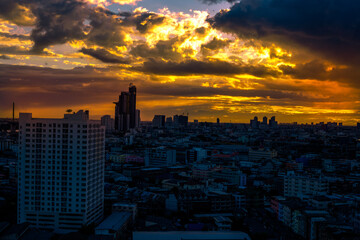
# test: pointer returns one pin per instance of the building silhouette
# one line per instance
(126, 115)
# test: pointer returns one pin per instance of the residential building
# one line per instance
(61, 171)
(261, 154)
(160, 157)
(304, 186)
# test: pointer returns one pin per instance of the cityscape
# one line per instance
(179, 120)
(123, 178)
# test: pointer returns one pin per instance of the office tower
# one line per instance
(180, 120)
(254, 123)
(126, 115)
(132, 105)
(264, 120)
(159, 121)
(137, 118)
(60, 171)
(108, 122)
(272, 122)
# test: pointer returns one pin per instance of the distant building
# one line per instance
(272, 122)
(261, 154)
(254, 123)
(60, 184)
(160, 157)
(304, 186)
(217, 121)
(115, 226)
(180, 121)
(158, 121)
(230, 175)
(196, 155)
(137, 118)
(126, 207)
(108, 122)
(168, 122)
(264, 121)
(194, 235)
(126, 116)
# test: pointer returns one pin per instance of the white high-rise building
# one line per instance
(61, 171)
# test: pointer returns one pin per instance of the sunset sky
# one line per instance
(297, 60)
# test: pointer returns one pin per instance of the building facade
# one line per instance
(304, 187)
(61, 171)
(160, 157)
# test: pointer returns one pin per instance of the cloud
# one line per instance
(16, 50)
(16, 13)
(195, 67)
(210, 2)
(319, 70)
(4, 57)
(214, 45)
(163, 49)
(109, 2)
(58, 22)
(330, 28)
(144, 21)
(104, 56)
(14, 36)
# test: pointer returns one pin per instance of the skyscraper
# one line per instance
(60, 171)
(159, 121)
(126, 116)
(265, 121)
(132, 105)
(272, 122)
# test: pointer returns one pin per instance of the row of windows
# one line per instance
(64, 125)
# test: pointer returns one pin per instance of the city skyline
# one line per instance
(210, 58)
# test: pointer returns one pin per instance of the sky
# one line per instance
(297, 60)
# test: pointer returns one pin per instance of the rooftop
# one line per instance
(115, 221)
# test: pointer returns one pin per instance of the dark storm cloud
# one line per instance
(106, 29)
(58, 22)
(320, 71)
(183, 90)
(194, 67)
(309, 70)
(11, 10)
(4, 57)
(163, 49)
(214, 45)
(144, 21)
(61, 21)
(330, 27)
(104, 56)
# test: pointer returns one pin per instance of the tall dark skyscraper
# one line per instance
(132, 105)
(125, 110)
